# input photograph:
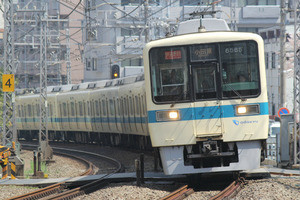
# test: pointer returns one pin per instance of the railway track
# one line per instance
(61, 190)
(231, 190)
(180, 193)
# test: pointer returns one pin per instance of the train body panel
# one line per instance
(207, 101)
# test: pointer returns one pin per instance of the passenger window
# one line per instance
(88, 108)
(112, 107)
(130, 106)
(97, 108)
(22, 110)
(80, 108)
(38, 110)
(104, 107)
(72, 108)
(64, 109)
(125, 106)
(29, 110)
(137, 102)
(118, 107)
(19, 112)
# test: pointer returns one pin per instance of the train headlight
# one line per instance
(241, 110)
(170, 115)
(247, 109)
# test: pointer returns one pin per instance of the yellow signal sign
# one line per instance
(8, 82)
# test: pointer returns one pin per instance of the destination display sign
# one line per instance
(172, 55)
(203, 52)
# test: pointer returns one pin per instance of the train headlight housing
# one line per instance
(247, 109)
(169, 115)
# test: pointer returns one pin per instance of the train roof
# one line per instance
(85, 86)
(202, 38)
(210, 24)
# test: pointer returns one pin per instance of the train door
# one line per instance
(207, 106)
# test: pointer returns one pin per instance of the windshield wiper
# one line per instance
(236, 92)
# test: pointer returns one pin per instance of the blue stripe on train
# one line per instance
(209, 112)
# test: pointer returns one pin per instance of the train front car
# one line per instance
(207, 101)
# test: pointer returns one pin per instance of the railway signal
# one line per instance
(115, 71)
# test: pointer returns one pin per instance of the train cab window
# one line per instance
(240, 69)
(205, 80)
(169, 74)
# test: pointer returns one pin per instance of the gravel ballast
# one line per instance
(277, 187)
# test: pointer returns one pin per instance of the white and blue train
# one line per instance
(202, 102)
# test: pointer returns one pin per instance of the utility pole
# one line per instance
(146, 7)
(69, 78)
(9, 118)
(282, 92)
(43, 130)
(233, 26)
(296, 134)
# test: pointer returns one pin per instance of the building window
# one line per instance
(88, 64)
(271, 34)
(91, 64)
(273, 60)
(257, 2)
(263, 35)
(94, 64)
(138, 2)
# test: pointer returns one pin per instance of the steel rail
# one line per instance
(59, 187)
(231, 190)
(52, 189)
(179, 194)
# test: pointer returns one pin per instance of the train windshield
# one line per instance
(205, 71)
(169, 72)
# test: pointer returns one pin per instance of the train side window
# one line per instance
(104, 107)
(22, 110)
(19, 112)
(125, 106)
(38, 110)
(130, 105)
(112, 107)
(29, 110)
(97, 108)
(65, 109)
(118, 107)
(72, 108)
(137, 102)
(88, 108)
(80, 108)
(49, 110)
(121, 106)
(143, 105)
